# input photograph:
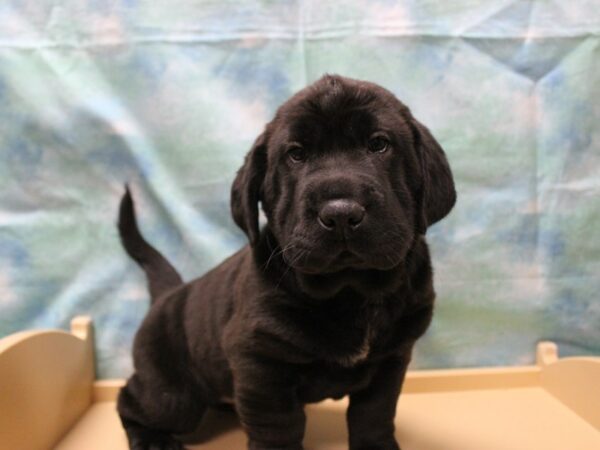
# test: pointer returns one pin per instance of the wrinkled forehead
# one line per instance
(337, 111)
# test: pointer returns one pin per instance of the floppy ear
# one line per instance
(437, 193)
(246, 189)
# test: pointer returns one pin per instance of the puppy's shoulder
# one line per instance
(225, 275)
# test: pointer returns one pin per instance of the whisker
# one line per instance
(276, 252)
(299, 255)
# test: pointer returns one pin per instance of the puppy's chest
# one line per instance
(350, 357)
(321, 381)
(357, 338)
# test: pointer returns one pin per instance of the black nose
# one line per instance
(341, 215)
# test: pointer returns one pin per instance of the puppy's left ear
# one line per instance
(246, 189)
(437, 193)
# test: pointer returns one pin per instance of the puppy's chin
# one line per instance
(342, 261)
(340, 267)
(324, 271)
(372, 283)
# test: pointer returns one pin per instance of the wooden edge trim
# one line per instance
(422, 381)
(106, 390)
(81, 327)
(426, 381)
(546, 353)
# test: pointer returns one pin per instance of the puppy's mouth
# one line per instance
(345, 261)
(323, 284)
(322, 271)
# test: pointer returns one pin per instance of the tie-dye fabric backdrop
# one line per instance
(169, 94)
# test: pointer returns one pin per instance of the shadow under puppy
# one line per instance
(326, 301)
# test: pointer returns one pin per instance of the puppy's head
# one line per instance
(347, 179)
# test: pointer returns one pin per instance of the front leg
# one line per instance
(372, 410)
(267, 404)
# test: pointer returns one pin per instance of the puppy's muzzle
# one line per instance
(341, 216)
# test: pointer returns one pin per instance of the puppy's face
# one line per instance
(341, 172)
(344, 174)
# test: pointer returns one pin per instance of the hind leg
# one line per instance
(153, 411)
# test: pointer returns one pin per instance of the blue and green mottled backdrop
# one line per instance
(169, 95)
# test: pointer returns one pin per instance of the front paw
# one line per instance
(253, 445)
(155, 441)
(389, 444)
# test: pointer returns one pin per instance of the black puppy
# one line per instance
(328, 299)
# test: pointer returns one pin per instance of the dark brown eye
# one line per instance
(296, 154)
(378, 144)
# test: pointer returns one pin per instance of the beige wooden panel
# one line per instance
(45, 385)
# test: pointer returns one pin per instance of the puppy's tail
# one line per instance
(161, 275)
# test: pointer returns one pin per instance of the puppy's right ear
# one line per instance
(246, 189)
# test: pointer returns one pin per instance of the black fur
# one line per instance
(314, 308)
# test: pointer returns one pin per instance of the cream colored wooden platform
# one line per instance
(48, 399)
